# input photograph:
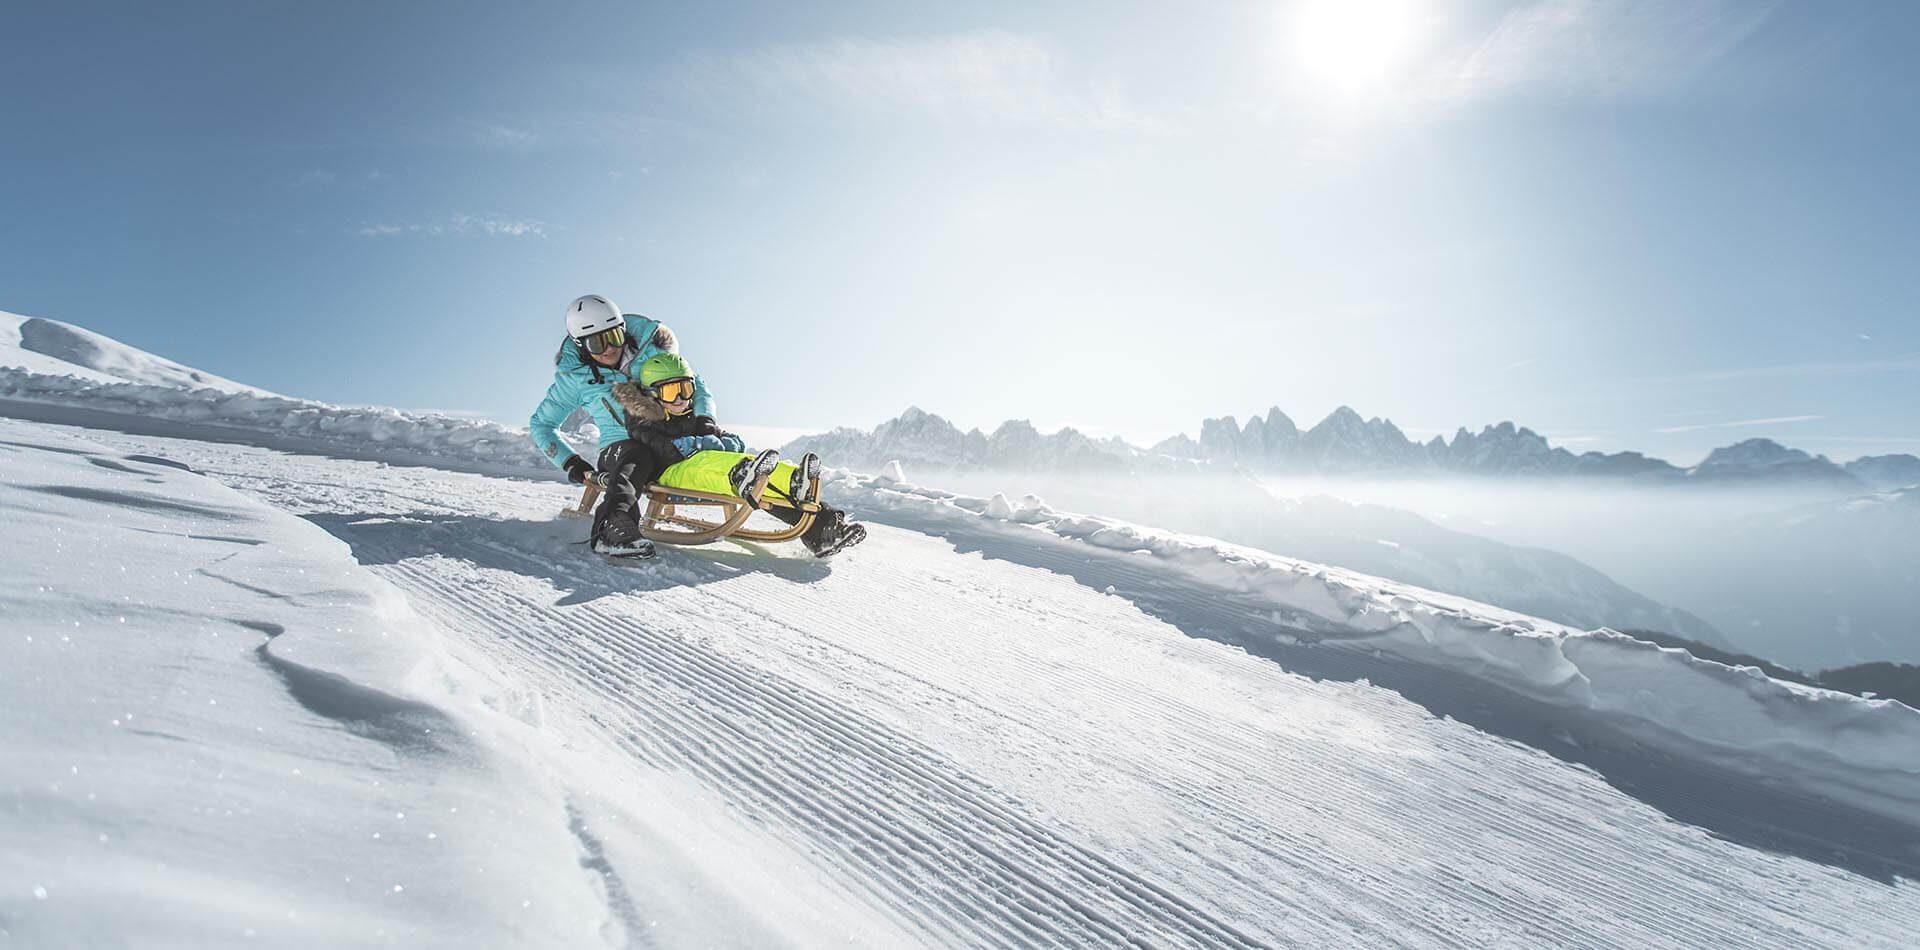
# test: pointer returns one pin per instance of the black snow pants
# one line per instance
(634, 465)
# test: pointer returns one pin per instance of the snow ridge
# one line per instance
(49, 346)
(300, 422)
(1863, 752)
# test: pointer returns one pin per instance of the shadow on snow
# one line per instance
(556, 552)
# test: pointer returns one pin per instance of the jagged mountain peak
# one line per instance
(1180, 446)
(1342, 415)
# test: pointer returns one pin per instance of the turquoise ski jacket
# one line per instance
(580, 383)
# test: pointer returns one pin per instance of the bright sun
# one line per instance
(1354, 46)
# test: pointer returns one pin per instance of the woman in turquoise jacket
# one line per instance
(585, 380)
(603, 349)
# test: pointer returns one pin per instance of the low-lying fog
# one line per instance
(1810, 578)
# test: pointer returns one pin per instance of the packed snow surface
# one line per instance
(220, 728)
(278, 682)
(1863, 751)
(966, 732)
(218, 725)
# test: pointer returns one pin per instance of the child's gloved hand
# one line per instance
(689, 444)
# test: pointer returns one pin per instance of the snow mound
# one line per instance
(48, 346)
(280, 421)
(1863, 752)
(219, 726)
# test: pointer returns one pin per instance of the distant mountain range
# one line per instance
(1342, 443)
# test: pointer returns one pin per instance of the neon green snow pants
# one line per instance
(707, 471)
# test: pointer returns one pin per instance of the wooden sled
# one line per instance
(667, 519)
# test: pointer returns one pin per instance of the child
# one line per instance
(671, 446)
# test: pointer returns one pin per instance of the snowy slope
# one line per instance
(57, 372)
(294, 424)
(219, 727)
(1369, 539)
(1865, 752)
(963, 738)
(49, 346)
(992, 724)
(197, 687)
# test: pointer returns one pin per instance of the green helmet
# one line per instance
(663, 366)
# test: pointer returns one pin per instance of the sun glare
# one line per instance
(1354, 47)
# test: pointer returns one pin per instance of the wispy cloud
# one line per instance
(990, 76)
(1608, 48)
(460, 224)
(501, 135)
(1910, 361)
(1510, 367)
(1777, 420)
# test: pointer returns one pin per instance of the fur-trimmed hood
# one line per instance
(642, 408)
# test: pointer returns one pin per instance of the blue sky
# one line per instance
(1654, 226)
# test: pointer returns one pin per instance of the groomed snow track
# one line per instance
(985, 749)
(915, 831)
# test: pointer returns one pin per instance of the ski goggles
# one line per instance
(605, 340)
(673, 390)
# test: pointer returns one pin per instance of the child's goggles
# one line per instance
(673, 390)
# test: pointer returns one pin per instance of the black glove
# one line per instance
(704, 425)
(578, 471)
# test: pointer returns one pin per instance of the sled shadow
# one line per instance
(554, 551)
(1727, 805)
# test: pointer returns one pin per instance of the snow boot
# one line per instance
(749, 477)
(618, 535)
(832, 533)
(806, 474)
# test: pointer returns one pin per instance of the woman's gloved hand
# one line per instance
(578, 471)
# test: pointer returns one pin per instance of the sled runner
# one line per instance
(670, 518)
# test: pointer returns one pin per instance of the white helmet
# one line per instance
(591, 314)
